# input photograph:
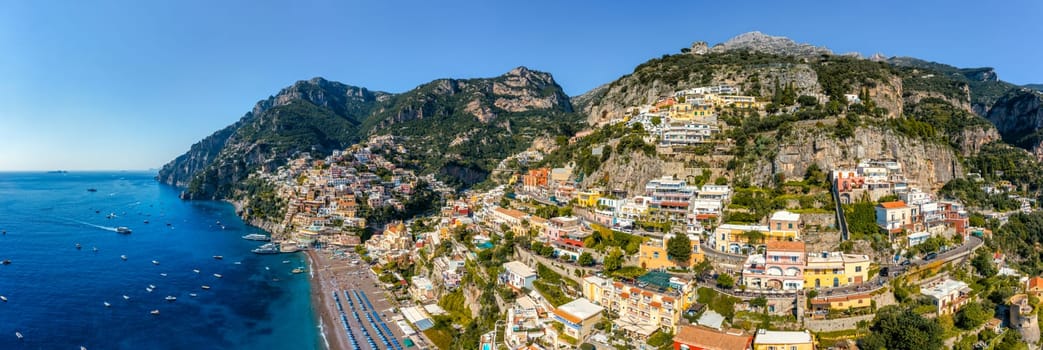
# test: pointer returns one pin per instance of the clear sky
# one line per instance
(132, 84)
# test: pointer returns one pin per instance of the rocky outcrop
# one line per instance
(627, 172)
(926, 165)
(1019, 118)
(778, 45)
(522, 90)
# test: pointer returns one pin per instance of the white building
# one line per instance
(518, 275)
(948, 295)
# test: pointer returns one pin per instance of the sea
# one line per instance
(56, 292)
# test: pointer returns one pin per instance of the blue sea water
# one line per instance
(56, 293)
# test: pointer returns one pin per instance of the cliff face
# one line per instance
(778, 45)
(451, 127)
(1019, 118)
(926, 165)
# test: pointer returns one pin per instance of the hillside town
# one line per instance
(549, 261)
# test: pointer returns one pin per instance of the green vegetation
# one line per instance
(972, 195)
(550, 284)
(896, 328)
(614, 260)
(725, 281)
(1019, 239)
(679, 248)
(936, 120)
(581, 152)
(972, 315)
(998, 161)
(261, 199)
(720, 303)
(604, 238)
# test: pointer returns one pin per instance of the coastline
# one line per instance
(322, 303)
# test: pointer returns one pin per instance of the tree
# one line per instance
(982, 263)
(971, 316)
(754, 237)
(720, 181)
(725, 281)
(679, 248)
(759, 302)
(807, 101)
(657, 120)
(896, 328)
(586, 259)
(614, 260)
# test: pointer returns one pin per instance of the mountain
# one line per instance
(458, 128)
(1037, 87)
(776, 45)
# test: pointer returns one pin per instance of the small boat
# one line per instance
(256, 237)
(92, 190)
(125, 297)
(164, 274)
(285, 261)
(95, 249)
(267, 248)
(83, 347)
(3, 298)
(18, 334)
(7, 262)
(205, 286)
(124, 257)
(238, 263)
(152, 286)
(148, 290)
(110, 216)
(267, 269)
(170, 298)
(218, 275)
(154, 312)
(218, 222)
(123, 230)
(146, 221)
(192, 295)
(218, 257)
(78, 246)
(154, 262)
(297, 270)
(195, 270)
(107, 304)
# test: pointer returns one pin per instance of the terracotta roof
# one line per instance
(705, 338)
(668, 299)
(1036, 282)
(624, 295)
(635, 290)
(655, 304)
(893, 205)
(618, 284)
(646, 293)
(567, 316)
(789, 246)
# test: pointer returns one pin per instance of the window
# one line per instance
(791, 225)
(858, 269)
(655, 255)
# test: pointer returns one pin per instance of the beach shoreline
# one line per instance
(321, 300)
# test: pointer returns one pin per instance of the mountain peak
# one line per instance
(779, 45)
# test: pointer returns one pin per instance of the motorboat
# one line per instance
(256, 237)
(195, 270)
(18, 334)
(107, 304)
(152, 286)
(125, 297)
(154, 262)
(123, 230)
(7, 262)
(267, 248)
(146, 221)
(170, 298)
(218, 257)
(218, 275)
(298, 270)
(164, 274)
(148, 290)
(95, 249)
(3, 298)
(205, 286)
(154, 312)
(78, 246)
(192, 295)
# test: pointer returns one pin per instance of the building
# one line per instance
(535, 180)
(948, 295)
(894, 216)
(784, 224)
(517, 275)
(510, 217)
(587, 199)
(824, 304)
(781, 267)
(687, 133)
(731, 238)
(422, 289)
(578, 317)
(835, 269)
(1034, 286)
(702, 338)
(524, 323)
(670, 200)
(783, 340)
(567, 235)
(652, 254)
(655, 301)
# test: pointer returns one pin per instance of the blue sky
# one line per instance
(132, 84)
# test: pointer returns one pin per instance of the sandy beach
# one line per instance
(322, 289)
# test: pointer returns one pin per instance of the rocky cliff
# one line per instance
(453, 127)
(776, 45)
(1019, 118)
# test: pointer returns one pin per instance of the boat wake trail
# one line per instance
(106, 228)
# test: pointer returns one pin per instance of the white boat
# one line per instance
(205, 286)
(107, 304)
(125, 297)
(3, 298)
(267, 269)
(164, 274)
(123, 230)
(148, 290)
(95, 249)
(218, 257)
(152, 286)
(238, 262)
(18, 334)
(83, 347)
(192, 295)
(256, 237)
(218, 275)
(154, 262)
(124, 257)
(170, 298)
(154, 312)
(285, 261)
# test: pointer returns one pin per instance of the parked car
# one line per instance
(906, 262)
(930, 256)
(884, 271)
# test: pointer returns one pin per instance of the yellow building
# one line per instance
(835, 269)
(657, 303)
(652, 254)
(587, 199)
(783, 340)
(841, 303)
